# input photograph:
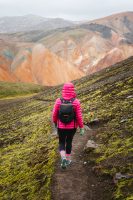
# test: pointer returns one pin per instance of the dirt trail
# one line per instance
(72, 183)
(78, 181)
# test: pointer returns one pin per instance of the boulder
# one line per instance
(91, 145)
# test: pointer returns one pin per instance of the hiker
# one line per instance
(67, 117)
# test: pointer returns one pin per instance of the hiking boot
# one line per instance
(63, 163)
(68, 162)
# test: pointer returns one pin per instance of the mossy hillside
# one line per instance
(8, 90)
(108, 94)
(28, 151)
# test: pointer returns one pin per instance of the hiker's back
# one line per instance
(68, 93)
(67, 111)
(74, 123)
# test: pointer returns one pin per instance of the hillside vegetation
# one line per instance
(18, 89)
(108, 95)
(28, 149)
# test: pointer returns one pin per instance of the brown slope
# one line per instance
(84, 52)
(5, 62)
(87, 46)
(27, 62)
(112, 57)
(6, 76)
(121, 22)
(43, 67)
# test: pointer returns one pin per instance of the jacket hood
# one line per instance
(68, 91)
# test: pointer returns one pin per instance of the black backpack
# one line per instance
(66, 111)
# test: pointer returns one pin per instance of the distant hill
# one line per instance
(94, 45)
(30, 23)
(33, 63)
(74, 50)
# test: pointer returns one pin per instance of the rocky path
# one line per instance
(78, 181)
(72, 183)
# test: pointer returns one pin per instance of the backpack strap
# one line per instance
(72, 100)
(62, 100)
(67, 101)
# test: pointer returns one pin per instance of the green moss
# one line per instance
(27, 150)
(123, 187)
(107, 98)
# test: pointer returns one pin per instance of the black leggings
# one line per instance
(65, 139)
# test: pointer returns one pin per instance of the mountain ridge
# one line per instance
(31, 22)
(87, 48)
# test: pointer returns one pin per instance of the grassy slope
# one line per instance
(108, 95)
(28, 150)
(8, 90)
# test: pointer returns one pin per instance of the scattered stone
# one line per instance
(97, 169)
(78, 130)
(54, 134)
(129, 97)
(14, 127)
(119, 176)
(85, 163)
(91, 145)
(123, 120)
(96, 120)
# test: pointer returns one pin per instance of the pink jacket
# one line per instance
(68, 92)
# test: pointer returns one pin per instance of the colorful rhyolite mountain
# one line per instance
(51, 57)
